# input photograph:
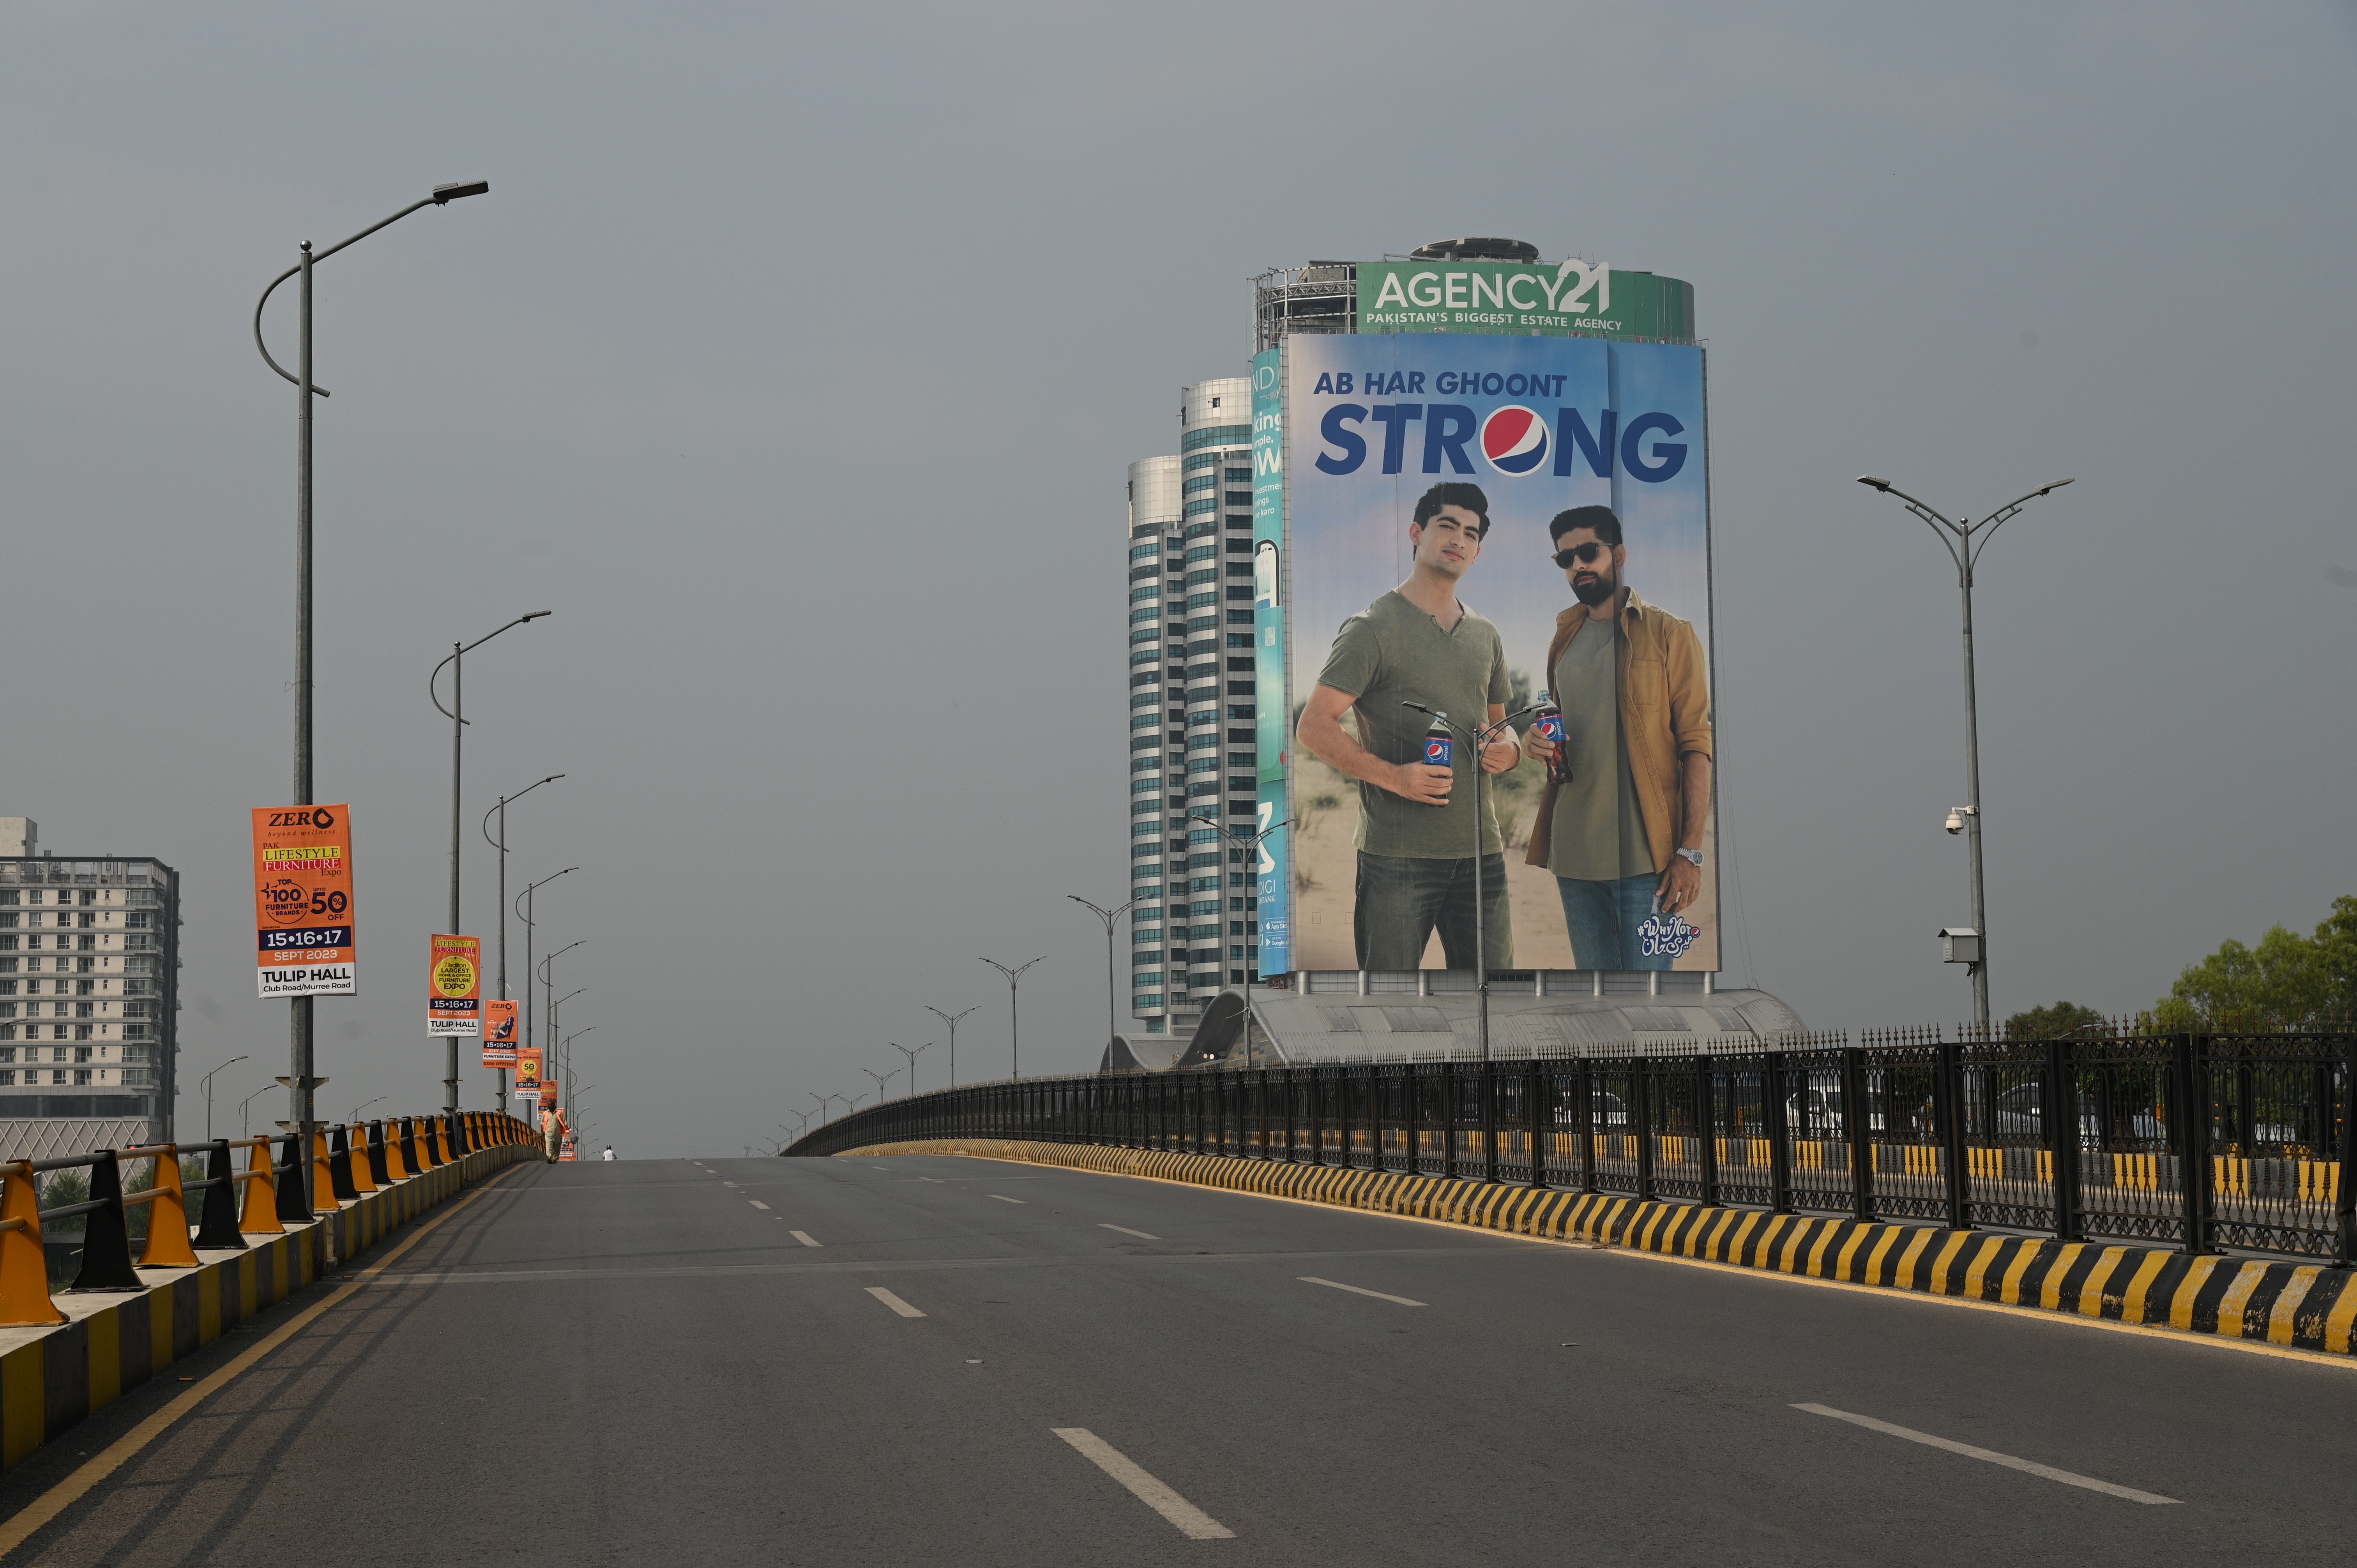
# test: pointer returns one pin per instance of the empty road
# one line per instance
(855, 1362)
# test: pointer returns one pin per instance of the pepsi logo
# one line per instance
(1436, 753)
(1515, 439)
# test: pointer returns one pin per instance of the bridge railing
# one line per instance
(2198, 1141)
(89, 1192)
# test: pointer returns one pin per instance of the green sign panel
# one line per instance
(1521, 299)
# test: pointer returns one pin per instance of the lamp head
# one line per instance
(535, 615)
(445, 194)
(1872, 483)
(2055, 485)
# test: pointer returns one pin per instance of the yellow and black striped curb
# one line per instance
(52, 1378)
(2304, 1306)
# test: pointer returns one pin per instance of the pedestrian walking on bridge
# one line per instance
(554, 1130)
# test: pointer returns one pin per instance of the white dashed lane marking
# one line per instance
(803, 1236)
(2027, 1467)
(894, 1302)
(1192, 1521)
(1004, 1198)
(757, 1203)
(1357, 1290)
(1141, 1235)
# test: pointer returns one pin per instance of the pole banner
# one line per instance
(303, 901)
(499, 1033)
(455, 1004)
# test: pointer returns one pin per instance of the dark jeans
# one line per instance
(1401, 900)
(1603, 919)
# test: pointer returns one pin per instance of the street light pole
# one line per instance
(1965, 541)
(912, 1061)
(881, 1079)
(1109, 916)
(244, 1119)
(530, 929)
(572, 1095)
(300, 1056)
(501, 844)
(208, 1094)
(1251, 847)
(952, 1020)
(455, 712)
(1014, 1021)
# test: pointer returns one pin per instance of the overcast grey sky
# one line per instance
(795, 359)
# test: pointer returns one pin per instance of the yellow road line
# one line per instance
(20, 1526)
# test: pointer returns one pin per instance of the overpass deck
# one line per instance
(853, 1361)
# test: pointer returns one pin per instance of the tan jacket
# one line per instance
(1664, 712)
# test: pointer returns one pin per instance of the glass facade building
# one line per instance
(1192, 756)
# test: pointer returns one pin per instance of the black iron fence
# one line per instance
(2198, 1141)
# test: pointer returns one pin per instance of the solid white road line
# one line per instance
(803, 1236)
(1357, 1290)
(1004, 1198)
(1192, 1521)
(2067, 1477)
(894, 1302)
(1141, 1235)
(757, 1203)
(934, 1179)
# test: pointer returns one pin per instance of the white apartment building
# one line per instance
(89, 992)
(1192, 715)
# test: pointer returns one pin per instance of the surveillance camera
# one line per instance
(1955, 822)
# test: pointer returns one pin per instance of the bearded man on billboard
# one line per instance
(1626, 807)
(1416, 839)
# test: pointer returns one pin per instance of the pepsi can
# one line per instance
(1548, 725)
(1439, 747)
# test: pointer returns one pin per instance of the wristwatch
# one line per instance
(1693, 854)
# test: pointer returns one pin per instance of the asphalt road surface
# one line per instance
(923, 1361)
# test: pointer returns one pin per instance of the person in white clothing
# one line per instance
(610, 1152)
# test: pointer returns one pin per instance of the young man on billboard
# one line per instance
(1623, 833)
(1416, 840)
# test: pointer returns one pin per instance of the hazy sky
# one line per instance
(795, 360)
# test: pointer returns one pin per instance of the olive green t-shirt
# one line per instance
(1392, 652)
(1599, 834)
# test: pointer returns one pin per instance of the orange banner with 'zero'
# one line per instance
(303, 901)
(499, 1033)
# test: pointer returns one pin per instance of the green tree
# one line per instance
(2287, 981)
(2053, 1023)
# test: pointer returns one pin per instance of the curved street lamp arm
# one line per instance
(1102, 913)
(510, 800)
(435, 679)
(440, 196)
(264, 347)
(2004, 514)
(1012, 974)
(543, 883)
(1948, 531)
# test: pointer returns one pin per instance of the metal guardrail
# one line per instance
(345, 1162)
(2199, 1141)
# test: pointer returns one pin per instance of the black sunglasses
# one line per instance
(1586, 555)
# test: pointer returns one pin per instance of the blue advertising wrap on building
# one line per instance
(1270, 880)
(1540, 426)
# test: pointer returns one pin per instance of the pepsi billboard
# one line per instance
(1530, 452)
